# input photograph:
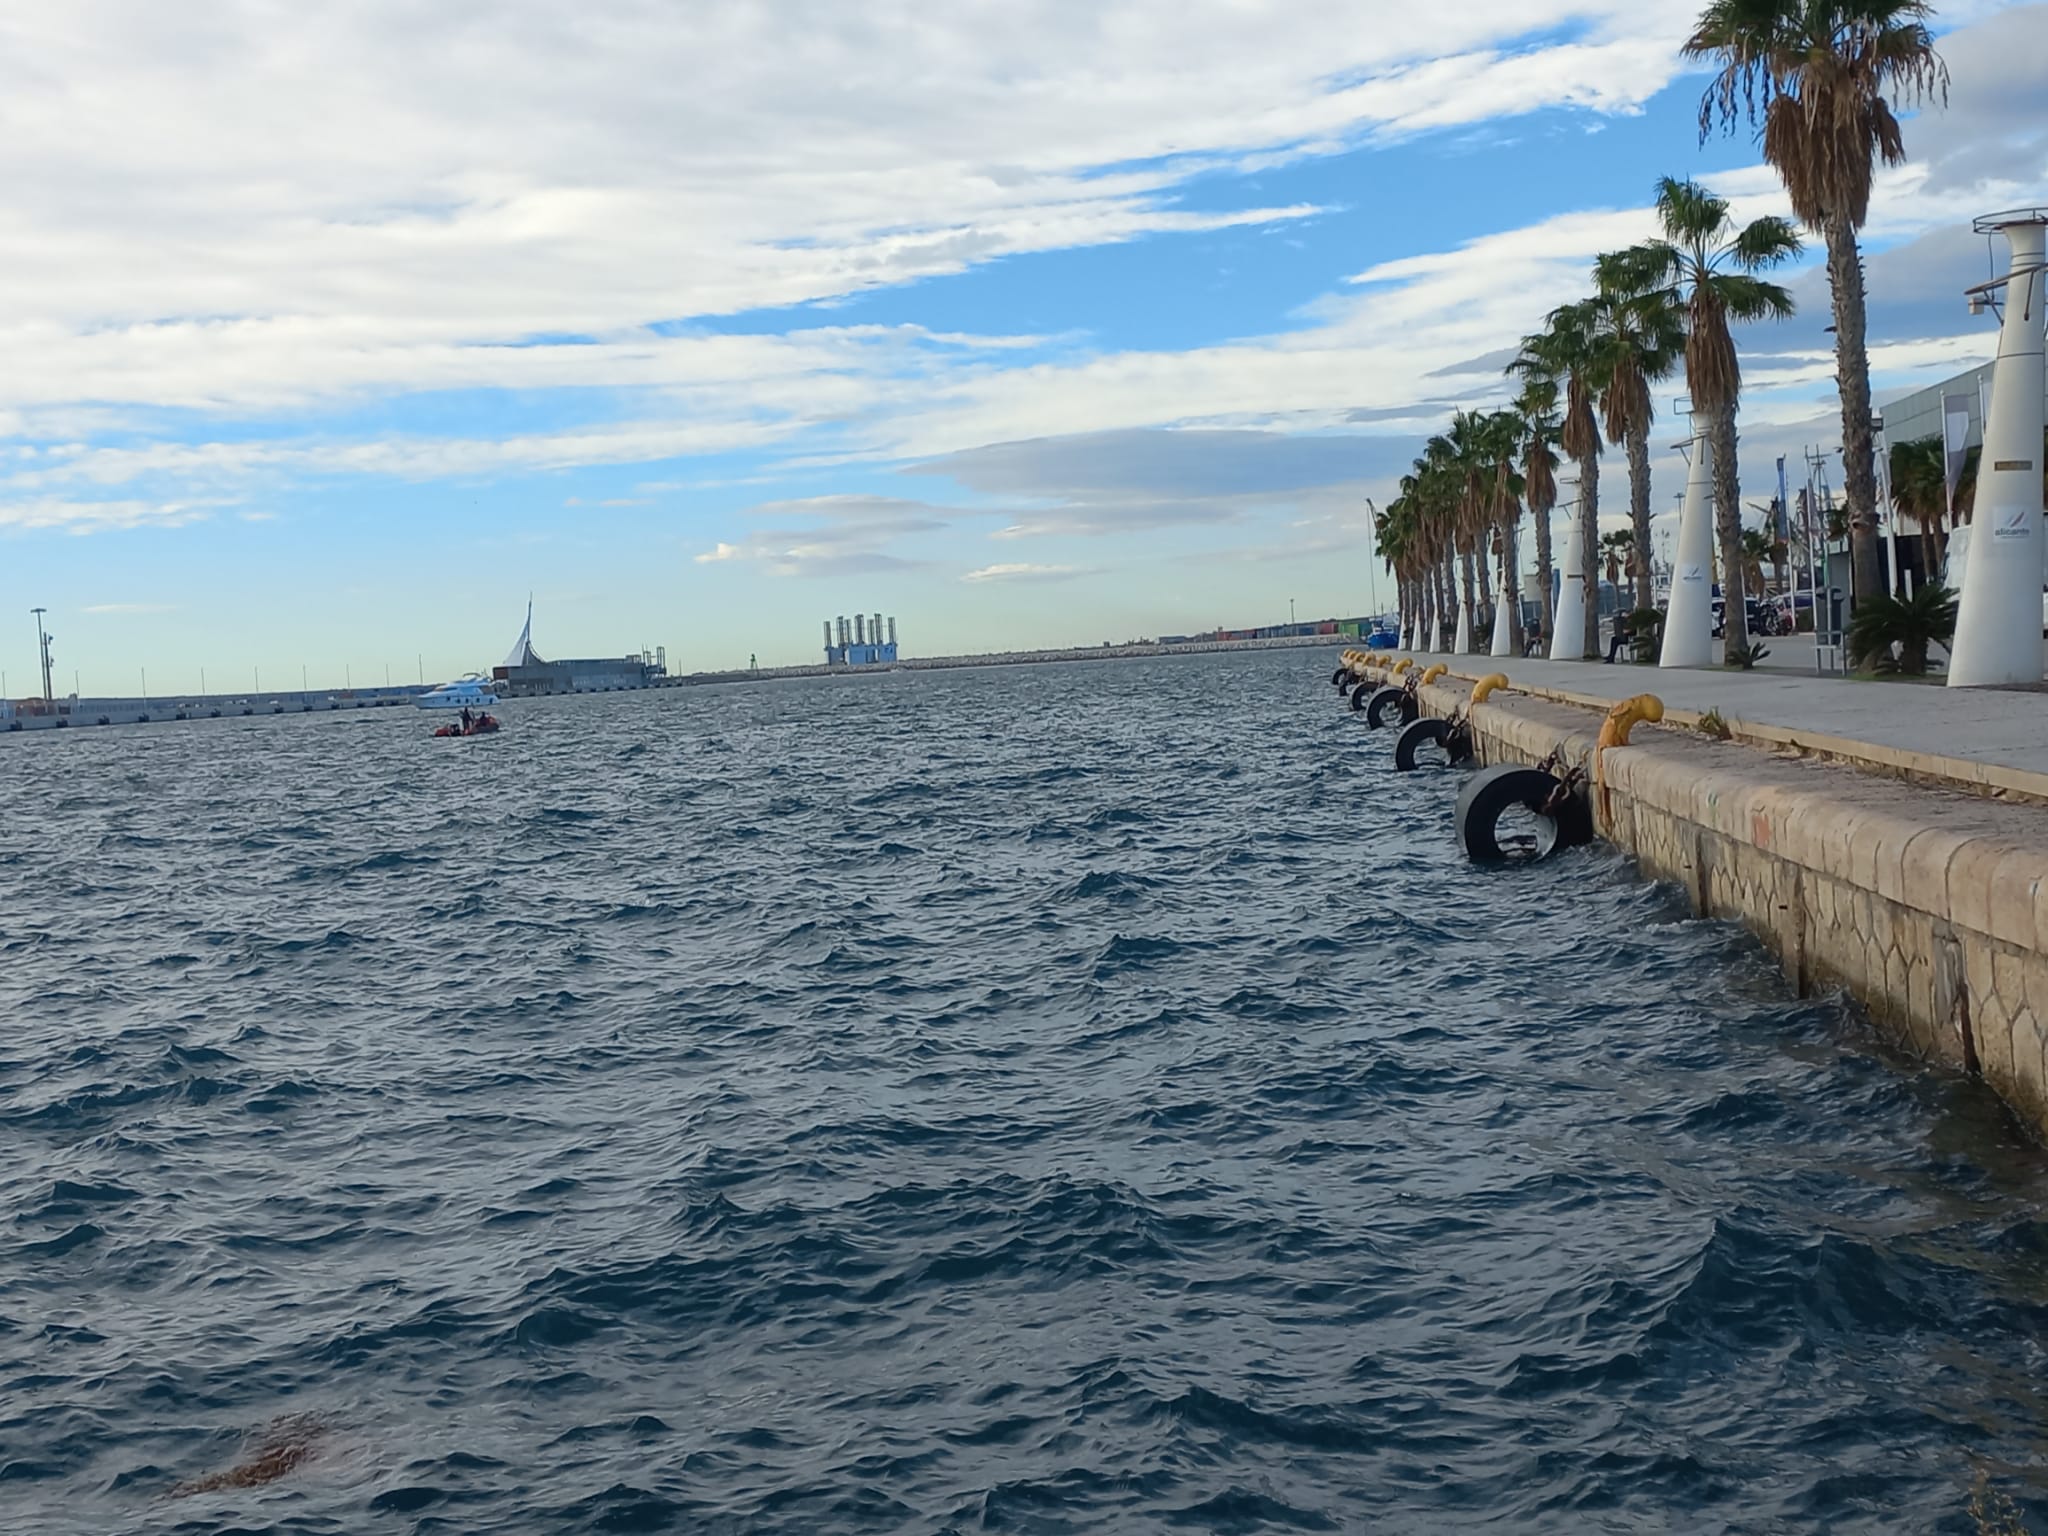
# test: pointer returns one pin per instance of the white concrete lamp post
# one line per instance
(1689, 621)
(1998, 626)
(1568, 633)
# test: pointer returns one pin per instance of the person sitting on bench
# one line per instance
(1620, 636)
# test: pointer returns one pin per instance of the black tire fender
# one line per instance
(1362, 694)
(1391, 706)
(1337, 677)
(1492, 793)
(1430, 731)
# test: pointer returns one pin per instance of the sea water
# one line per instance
(1042, 1099)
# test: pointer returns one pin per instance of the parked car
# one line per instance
(1765, 617)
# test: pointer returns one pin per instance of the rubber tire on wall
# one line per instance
(1363, 693)
(1391, 706)
(1492, 792)
(1337, 677)
(1457, 745)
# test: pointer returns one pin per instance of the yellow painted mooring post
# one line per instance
(1614, 730)
(1487, 684)
(1435, 672)
(1627, 714)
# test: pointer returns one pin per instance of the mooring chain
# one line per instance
(1567, 784)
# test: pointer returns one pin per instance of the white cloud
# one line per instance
(1024, 572)
(253, 209)
(377, 198)
(48, 513)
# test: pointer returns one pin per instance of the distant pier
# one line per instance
(74, 712)
(1013, 658)
(84, 711)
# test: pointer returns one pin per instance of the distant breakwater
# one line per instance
(1016, 658)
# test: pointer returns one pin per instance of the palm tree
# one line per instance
(1500, 436)
(1919, 476)
(1564, 352)
(1913, 623)
(1393, 533)
(1619, 548)
(1760, 546)
(1819, 78)
(1461, 452)
(1712, 266)
(1536, 411)
(1640, 336)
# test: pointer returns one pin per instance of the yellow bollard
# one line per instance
(1400, 666)
(1435, 672)
(1627, 714)
(1487, 684)
(1614, 733)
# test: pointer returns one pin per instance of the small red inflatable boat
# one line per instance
(482, 725)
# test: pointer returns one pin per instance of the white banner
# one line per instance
(1955, 434)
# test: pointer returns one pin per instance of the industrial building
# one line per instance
(861, 645)
(526, 675)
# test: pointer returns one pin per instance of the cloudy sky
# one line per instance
(333, 331)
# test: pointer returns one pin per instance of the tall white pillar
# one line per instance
(1568, 633)
(1503, 609)
(1463, 644)
(1998, 628)
(1689, 621)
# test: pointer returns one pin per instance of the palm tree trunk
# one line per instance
(1510, 581)
(1547, 614)
(1852, 374)
(1728, 528)
(1639, 510)
(1446, 602)
(1589, 551)
(1466, 569)
(1931, 545)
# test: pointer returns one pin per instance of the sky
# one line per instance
(333, 333)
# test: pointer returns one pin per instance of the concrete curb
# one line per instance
(1988, 779)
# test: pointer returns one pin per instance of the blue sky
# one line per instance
(333, 337)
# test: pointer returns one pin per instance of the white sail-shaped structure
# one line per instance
(523, 654)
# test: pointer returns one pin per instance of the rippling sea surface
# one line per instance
(1078, 1098)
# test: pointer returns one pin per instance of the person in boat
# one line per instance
(466, 721)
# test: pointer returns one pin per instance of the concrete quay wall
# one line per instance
(1927, 904)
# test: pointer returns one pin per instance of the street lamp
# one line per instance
(43, 639)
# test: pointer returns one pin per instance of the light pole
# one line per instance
(1568, 622)
(43, 639)
(1372, 563)
(1689, 613)
(1997, 640)
(1290, 613)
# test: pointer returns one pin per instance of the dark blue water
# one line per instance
(1092, 1098)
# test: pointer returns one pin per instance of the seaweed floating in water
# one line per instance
(285, 1443)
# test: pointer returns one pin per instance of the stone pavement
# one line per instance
(1992, 738)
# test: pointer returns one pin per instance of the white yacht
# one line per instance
(470, 692)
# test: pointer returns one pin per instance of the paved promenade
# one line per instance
(1918, 727)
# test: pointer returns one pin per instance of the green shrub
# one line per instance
(1912, 624)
